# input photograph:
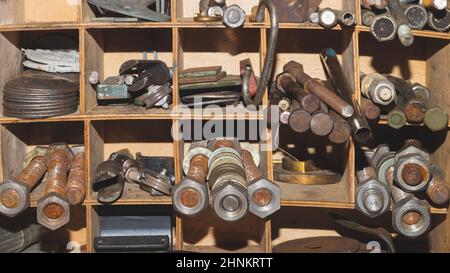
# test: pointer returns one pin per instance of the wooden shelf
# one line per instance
(418, 33)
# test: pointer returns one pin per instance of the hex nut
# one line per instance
(199, 188)
(383, 21)
(372, 185)
(235, 192)
(414, 155)
(408, 205)
(275, 200)
(53, 224)
(22, 198)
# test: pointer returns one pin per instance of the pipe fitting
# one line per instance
(412, 169)
(53, 210)
(15, 192)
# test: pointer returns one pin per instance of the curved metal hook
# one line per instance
(268, 62)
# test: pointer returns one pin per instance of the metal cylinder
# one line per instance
(440, 20)
(403, 31)
(299, 119)
(341, 129)
(367, 17)
(227, 181)
(234, 16)
(360, 127)
(321, 123)
(15, 193)
(345, 18)
(76, 183)
(331, 99)
(288, 83)
(53, 208)
(416, 16)
(437, 190)
(377, 88)
(372, 196)
(383, 27)
(370, 110)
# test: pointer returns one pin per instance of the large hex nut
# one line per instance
(190, 198)
(230, 201)
(383, 27)
(268, 193)
(411, 217)
(412, 155)
(60, 208)
(372, 198)
(14, 196)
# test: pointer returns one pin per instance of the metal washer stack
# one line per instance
(40, 95)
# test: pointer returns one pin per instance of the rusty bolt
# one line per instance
(412, 168)
(190, 197)
(370, 110)
(437, 190)
(15, 193)
(321, 123)
(411, 216)
(328, 96)
(265, 196)
(341, 129)
(53, 209)
(299, 119)
(76, 184)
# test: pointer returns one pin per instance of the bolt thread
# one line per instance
(33, 172)
(76, 183)
(251, 170)
(57, 166)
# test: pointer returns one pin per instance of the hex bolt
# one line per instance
(327, 18)
(437, 190)
(329, 97)
(412, 168)
(396, 117)
(367, 17)
(370, 110)
(416, 16)
(265, 196)
(440, 20)
(308, 101)
(436, 119)
(76, 182)
(383, 160)
(410, 216)
(53, 210)
(227, 180)
(372, 196)
(383, 27)
(378, 89)
(190, 197)
(341, 129)
(234, 16)
(15, 193)
(299, 119)
(404, 32)
(321, 123)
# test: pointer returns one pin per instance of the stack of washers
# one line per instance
(36, 94)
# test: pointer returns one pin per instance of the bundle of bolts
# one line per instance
(402, 101)
(217, 10)
(145, 82)
(409, 177)
(389, 17)
(63, 170)
(225, 173)
(120, 167)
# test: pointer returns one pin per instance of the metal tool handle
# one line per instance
(268, 62)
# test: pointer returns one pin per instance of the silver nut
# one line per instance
(230, 202)
(411, 217)
(59, 214)
(15, 197)
(372, 198)
(265, 198)
(190, 198)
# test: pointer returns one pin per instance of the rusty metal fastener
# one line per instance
(370, 110)
(329, 97)
(76, 183)
(341, 130)
(299, 119)
(321, 123)
(437, 191)
(308, 101)
(265, 196)
(53, 209)
(15, 193)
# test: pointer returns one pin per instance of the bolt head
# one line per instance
(383, 28)
(293, 68)
(190, 198)
(265, 198)
(53, 211)
(411, 217)
(280, 78)
(230, 202)
(63, 146)
(14, 197)
(416, 162)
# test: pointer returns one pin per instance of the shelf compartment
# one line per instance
(150, 138)
(107, 49)
(12, 44)
(154, 218)
(34, 13)
(19, 139)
